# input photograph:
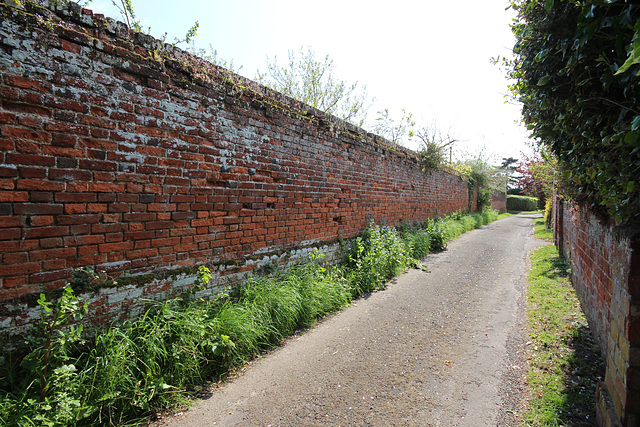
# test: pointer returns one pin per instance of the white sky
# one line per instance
(431, 57)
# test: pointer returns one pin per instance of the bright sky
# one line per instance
(431, 57)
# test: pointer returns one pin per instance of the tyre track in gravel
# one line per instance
(438, 348)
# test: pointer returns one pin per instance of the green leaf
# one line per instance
(631, 185)
(548, 5)
(631, 137)
(634, 56)
(544, 80)
(589, 12)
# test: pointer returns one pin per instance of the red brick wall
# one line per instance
(499, 201)
(132, 162)
(605, 271)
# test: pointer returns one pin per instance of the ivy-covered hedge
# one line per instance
(578, 101)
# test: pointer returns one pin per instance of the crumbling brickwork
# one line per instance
(123, 154)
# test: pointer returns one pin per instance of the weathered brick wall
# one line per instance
(499, 201)
(128, 156)
(605, 271)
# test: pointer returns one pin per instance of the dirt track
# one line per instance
(434, 349)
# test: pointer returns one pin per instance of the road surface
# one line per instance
(438, 348)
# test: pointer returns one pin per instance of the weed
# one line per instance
(541, 230)
(377, 255)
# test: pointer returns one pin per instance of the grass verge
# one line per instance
(133, 370)
(564, 361)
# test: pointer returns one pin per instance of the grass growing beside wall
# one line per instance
(565, 363)
(130, 371)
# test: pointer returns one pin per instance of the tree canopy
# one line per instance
(579, 100)
(313, 82)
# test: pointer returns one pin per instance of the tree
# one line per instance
(477, 170)
(509, 168)
(576, 73)
(395, 130)
(538, 173)
(314, 83)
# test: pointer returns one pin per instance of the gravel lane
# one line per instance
(438, 348)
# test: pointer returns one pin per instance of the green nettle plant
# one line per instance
(576, 72)
(377, 255)
(50, 383)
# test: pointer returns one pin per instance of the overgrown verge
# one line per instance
(564, 362)
(130, 371)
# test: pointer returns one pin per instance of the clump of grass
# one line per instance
(130, 371)
(564, 360)
(541, 230)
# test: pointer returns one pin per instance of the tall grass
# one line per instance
(130, 371)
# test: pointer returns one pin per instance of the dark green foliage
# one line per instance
(522, 203)
(568, 54)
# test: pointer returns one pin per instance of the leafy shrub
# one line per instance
(548, 209)
(438, 238)
(575, 70)
(418, 243)
(522, 203)
(376, 256)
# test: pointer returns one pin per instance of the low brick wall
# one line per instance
(605, 271)
(135, 158)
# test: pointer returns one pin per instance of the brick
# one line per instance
(14, 196)
(70, 197)
(44, 254)
(78, 219)
(11, 222)
(12, 293)
(30, 159)
(15, 258)
(69, 175)
(40, 232)
(53, 242)
(64, 140)
(21, 107)
(19, 269)
(106, 187)
(14, 281)
(98, 165)
(24, 133)
(115, 247)
(38, 209)
(27, 83)
(18, 245)
(49, 276)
